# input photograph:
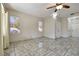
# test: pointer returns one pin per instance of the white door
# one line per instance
(1, 31)
(74, 22)
(6, 38)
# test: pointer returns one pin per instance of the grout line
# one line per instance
(14, 49)
(67, 50)
(48, 49)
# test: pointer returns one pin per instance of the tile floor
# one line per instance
(44, 47)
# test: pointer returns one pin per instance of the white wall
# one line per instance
(28, 27)
(58, 28)
(49, 27)
(51, 30)
(64, 26)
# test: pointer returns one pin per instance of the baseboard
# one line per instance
(37, 38)
(27, 39)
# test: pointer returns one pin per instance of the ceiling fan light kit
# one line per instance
(54, 15)
(59, 7)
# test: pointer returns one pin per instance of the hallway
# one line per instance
(44, 47)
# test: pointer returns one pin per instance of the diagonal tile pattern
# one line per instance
(44, 47)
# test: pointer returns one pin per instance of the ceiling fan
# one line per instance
(58, 6)
(74, 13)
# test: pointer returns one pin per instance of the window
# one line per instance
(14, 24)
(40, 25)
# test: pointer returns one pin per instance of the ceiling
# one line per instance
(39, 9)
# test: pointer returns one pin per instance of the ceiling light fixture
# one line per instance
(59, 7)
(54, 15)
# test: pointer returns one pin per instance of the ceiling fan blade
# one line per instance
(51, 7)
(59, 4)
(66, 6)
(72, 13)
(55, 10)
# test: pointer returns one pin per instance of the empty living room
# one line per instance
(39, 29)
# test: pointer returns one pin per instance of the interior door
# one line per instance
(75, 27)
(6, 37)
(74, 23)
(1, 34)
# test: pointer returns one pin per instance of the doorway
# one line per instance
(74, 26)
